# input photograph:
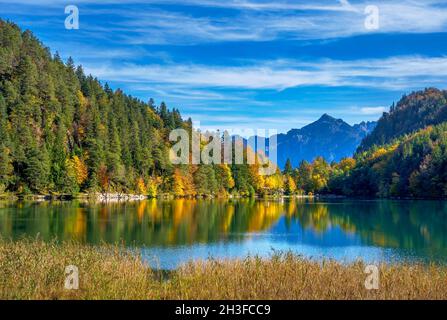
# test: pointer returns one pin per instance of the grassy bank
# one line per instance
(32, 269)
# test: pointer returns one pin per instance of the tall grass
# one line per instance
(32, 269)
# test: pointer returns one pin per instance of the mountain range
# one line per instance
(331, 138)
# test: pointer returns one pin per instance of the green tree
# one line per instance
(288, 167)
(37, 169)
(6, 167)
(205, 180)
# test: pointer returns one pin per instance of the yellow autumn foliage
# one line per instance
(141, 186)
(77, 167)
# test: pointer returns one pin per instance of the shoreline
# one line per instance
(124, 197)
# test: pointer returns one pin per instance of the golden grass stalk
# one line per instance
(33, 269)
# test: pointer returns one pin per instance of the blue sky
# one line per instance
(251, 64)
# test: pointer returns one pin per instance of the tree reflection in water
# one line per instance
(382, 223)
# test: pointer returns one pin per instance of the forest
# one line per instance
(404, 156)
(64, 132)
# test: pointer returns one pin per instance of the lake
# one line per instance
(172, 232)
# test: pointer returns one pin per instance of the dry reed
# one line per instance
(33, 269)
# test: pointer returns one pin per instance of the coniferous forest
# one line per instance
(64, 132)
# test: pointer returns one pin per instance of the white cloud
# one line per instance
(146, 23)
(282, 20)
(243, 125)
(390, 73)
(373, 110)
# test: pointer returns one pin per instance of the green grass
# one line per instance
(33, 269)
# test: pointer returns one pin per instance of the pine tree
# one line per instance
(4, 132)
(288, 170)
(205, 180)
(6, 167)
(37, 169)
(114, 164)
(61, 179)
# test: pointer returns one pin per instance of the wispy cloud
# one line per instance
(176, 50)
(373, 110)
(392, 73)
(148, 22)
(282, 20)
(244, 125)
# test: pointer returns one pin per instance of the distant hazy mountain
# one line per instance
(331, 138)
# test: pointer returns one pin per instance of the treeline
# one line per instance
(405, 155)
(63, 132)
(411, 166)
(413, 112)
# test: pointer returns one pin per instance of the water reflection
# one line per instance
(415, 227)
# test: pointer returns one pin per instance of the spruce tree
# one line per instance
(6, 167)
(37, 169)
(288, 170)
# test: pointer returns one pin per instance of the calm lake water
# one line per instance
(172, 232)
